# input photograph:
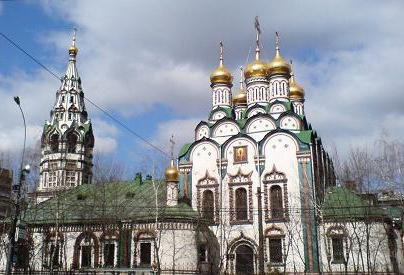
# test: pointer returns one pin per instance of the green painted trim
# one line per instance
(306, 256)
(184, 149)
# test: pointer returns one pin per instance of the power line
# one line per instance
(105, 112)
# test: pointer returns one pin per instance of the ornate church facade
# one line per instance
(256, 160)
(254, 192)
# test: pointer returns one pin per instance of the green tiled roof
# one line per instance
(90, 203)
(305, 136)
(241, 123)
(184, 149)
(342, 203)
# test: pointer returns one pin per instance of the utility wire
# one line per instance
(105, 112)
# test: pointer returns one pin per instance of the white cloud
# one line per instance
(182, 129)
(134, 55)
(12, 139)
(105, 145)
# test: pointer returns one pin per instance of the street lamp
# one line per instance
(23, 172)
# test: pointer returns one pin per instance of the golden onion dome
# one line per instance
(221, 75)
(240, 99)
(278, 65)
(256, 69)
(295, 90)
(171, 173)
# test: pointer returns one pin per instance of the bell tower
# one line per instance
(67, 139)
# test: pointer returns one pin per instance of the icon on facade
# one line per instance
(240, 154)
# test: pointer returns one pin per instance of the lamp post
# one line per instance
(23, 172)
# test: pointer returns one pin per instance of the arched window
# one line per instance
(71, 143)
(276, 202)
(109, 243)
(144, 255)
(53, 250)
(86, 251)
(23, 255)
(241, 204)
(54, 143)
(244, 260)
(208, 205)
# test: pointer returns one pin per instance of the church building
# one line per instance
(254, 191)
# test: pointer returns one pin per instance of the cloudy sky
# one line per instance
(148, 63)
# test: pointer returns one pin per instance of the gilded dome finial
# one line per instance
(277, 41)
(73, 49)
(221, 54)
(257, 68)
(241, 77)
(257, 39)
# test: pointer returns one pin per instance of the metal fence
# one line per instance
(86, 272)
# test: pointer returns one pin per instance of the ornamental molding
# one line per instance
(254, 80)
(274, 231)
(185, 168)
(303, 156)
(207, 181)
(275, 176)
(337, 230)
(240, 240)
(240, 178)
(128, 225)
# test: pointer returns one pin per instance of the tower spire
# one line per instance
(277, 42)
(172, 144)
(257, 39)
(241, 77)
(73, 49)
(221, 54)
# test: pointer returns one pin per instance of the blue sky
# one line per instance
(148, 63)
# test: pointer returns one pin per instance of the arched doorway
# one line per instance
(244, 260)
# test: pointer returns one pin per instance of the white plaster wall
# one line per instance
(203, 158)
(280, 151)
(355, 244)
(278, 88)
(178, 249)
(256, 111)
(257, 92)
(290, 123)
(202, 131)
(259, 127)
(226, 129)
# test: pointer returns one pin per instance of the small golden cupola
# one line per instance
(171, 173)
(278, 65)
(171, 177)
(73, 50)
(221, 75)
(241, 98)
(296, 92)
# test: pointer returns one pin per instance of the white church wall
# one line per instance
(365, 247)
(204, 162)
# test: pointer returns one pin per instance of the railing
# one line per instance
(106, 271)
